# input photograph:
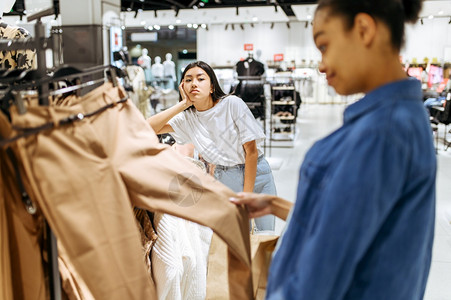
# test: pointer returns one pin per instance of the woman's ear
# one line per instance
(366, 28)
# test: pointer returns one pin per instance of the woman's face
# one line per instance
(340, 53)
(197, 84)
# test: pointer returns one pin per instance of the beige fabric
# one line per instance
(25, 231)
(6, 289)
(71, 283)
(84, 176)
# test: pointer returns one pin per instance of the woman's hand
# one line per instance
(257, 205)
(185, 97)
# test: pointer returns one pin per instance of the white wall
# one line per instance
(218, 46)
(428, 40)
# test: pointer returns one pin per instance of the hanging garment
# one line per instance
(141, 93)
(6, 289)
(148, 235)
(16, 59)
(25, 231)
(179, 258)
(85, 174)
(73, 287)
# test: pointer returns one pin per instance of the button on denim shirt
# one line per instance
(363, 223)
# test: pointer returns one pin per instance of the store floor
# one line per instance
(316, 121)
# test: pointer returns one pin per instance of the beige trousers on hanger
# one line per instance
(23, 236)
(5, 266)
(86, 177)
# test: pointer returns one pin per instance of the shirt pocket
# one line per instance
(312, 181)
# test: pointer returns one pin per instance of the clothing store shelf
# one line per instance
(283, 88)
(283, 102)
(284, 117)
(283, 111)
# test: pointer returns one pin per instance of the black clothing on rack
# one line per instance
(250, 86)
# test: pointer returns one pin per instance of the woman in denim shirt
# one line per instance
(362, 226)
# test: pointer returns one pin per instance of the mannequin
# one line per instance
(157, 68)
(169, 71)
(20, 59)
(144, 60)
(169, 67)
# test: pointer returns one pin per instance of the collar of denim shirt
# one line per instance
(406, 89)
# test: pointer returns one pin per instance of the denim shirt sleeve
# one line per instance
(339, 219)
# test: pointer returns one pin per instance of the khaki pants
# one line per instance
(5, 266)
(21, 265)
(86, 177)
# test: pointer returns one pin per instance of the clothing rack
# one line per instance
(256, 104)
(40, 80)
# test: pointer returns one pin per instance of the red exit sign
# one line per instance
(248, 47)
(278, 57)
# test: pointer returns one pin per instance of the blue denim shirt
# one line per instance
(363, 223)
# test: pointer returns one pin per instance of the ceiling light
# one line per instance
(123, 27)
(201, 4)
(171, 27)
(189, 25)
(157, 27)
(195, 26)
(178, 21)
(431, 17)
(440, 12)
(184, 51)
(309, 17)
(255, 19)
(195, 7)
(143, 22)
(150, 27)
(203, 26)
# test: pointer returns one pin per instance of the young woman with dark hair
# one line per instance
(362, 226)
(223, 130)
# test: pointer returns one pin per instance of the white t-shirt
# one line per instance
(220, 132)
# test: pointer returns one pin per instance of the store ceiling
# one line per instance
(176, 5)
(137, 13)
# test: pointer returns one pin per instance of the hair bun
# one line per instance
(412, 9)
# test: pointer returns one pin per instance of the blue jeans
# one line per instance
(233, 177)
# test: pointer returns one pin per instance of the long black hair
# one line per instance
(217, 93)
(394, 13)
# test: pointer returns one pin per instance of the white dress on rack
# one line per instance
(180, 258)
